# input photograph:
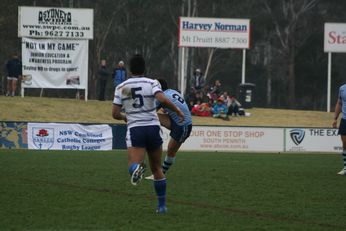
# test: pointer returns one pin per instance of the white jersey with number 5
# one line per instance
(137, 97)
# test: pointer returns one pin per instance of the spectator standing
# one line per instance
(14, 71)
(197, 81)
(119, 74)
(103, 74)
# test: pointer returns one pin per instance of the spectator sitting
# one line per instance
(216, 92)
(234, 106)
(220, 109)
(205, 92)
(194, 98)
(201, 109)
(226, 98)
(191, 104)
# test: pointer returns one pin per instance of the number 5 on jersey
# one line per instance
(137, 97)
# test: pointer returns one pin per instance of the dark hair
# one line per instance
(163, 83)
(137, 65)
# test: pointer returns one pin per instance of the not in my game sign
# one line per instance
(55, 63)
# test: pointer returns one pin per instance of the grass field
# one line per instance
(59, 190)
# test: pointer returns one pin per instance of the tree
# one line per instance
(290, 19)
(102, 30)
(286, 43)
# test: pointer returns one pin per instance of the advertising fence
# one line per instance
(70, 136)
(312, 140)
(245, 139)
(13, 135)
(55, 136)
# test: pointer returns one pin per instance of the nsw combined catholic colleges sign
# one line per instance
(59, 136)
(214, 32)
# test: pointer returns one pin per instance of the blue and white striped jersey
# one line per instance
(137, 97)
(179, 101)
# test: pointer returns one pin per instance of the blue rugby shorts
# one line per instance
(149, 137)
(180, 133)
(342, 127)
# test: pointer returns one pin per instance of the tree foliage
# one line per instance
(286, 59)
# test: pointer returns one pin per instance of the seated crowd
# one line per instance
(212, 101)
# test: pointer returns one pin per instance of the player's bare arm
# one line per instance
(117, 114)
(338, 108)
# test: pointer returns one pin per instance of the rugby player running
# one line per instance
(137, 97)
(340, 107)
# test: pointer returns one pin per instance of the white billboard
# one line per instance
(60, 136)
(312, 140)
(244, 139)
(55, 63)
(335, 37)
(52, 22)
(259, 139)
(214, 32)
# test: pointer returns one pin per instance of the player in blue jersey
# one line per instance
(137, 97)
(341, 107)
(180, 130)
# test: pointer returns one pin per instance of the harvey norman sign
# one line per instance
(214, 32)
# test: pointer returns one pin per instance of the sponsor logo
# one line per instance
(43, 138)
(297, 135)
(54, 16)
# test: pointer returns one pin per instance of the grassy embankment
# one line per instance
(70, 110)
